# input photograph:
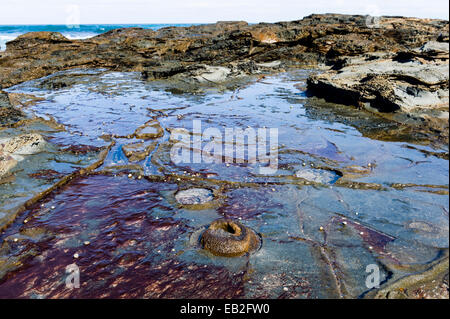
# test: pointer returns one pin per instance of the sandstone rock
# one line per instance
(176, 50)
(32, 39)
(138, 151)
(8, 113)
(399, 64)
(437, 50)
(149, 130)
(7, 162)
(386, 84)
(413, 82)
(26, 144)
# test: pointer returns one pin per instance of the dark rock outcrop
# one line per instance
(409, 80)
(413, 82)
(176, 50)
(8, 113)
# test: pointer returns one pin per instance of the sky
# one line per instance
(204, 11)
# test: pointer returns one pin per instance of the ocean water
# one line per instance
(10, 32)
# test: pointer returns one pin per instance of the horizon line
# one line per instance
(213, 22)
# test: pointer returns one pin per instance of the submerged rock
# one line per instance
(229, 238)
(149, 130)
(412, 82)
(423, 227)
(138, 151)
(194, 196)
(26, 144)
(318, 175)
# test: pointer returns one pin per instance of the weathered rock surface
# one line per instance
(414, 82)
(404, 81)
(395, 64)
(215, 50)
(26, 144)
(7, 162)
(12, 149)
(8, 113)
(138, 151)
(149, 130)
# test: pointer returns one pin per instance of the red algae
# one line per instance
(81, 149)
(47, 174)
(105, 225)
(245, 203)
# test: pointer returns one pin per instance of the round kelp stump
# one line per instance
(229, 238)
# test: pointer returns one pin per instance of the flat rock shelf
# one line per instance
(88, 176)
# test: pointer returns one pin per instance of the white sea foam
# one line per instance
(5, 38)
(82, 35)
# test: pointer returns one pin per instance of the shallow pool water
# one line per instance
(360, 200)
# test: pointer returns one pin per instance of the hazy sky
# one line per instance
(202, 11)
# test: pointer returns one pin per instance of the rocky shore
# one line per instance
(411, 84)
(392, 64)
(92, 150)
(8, 113)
